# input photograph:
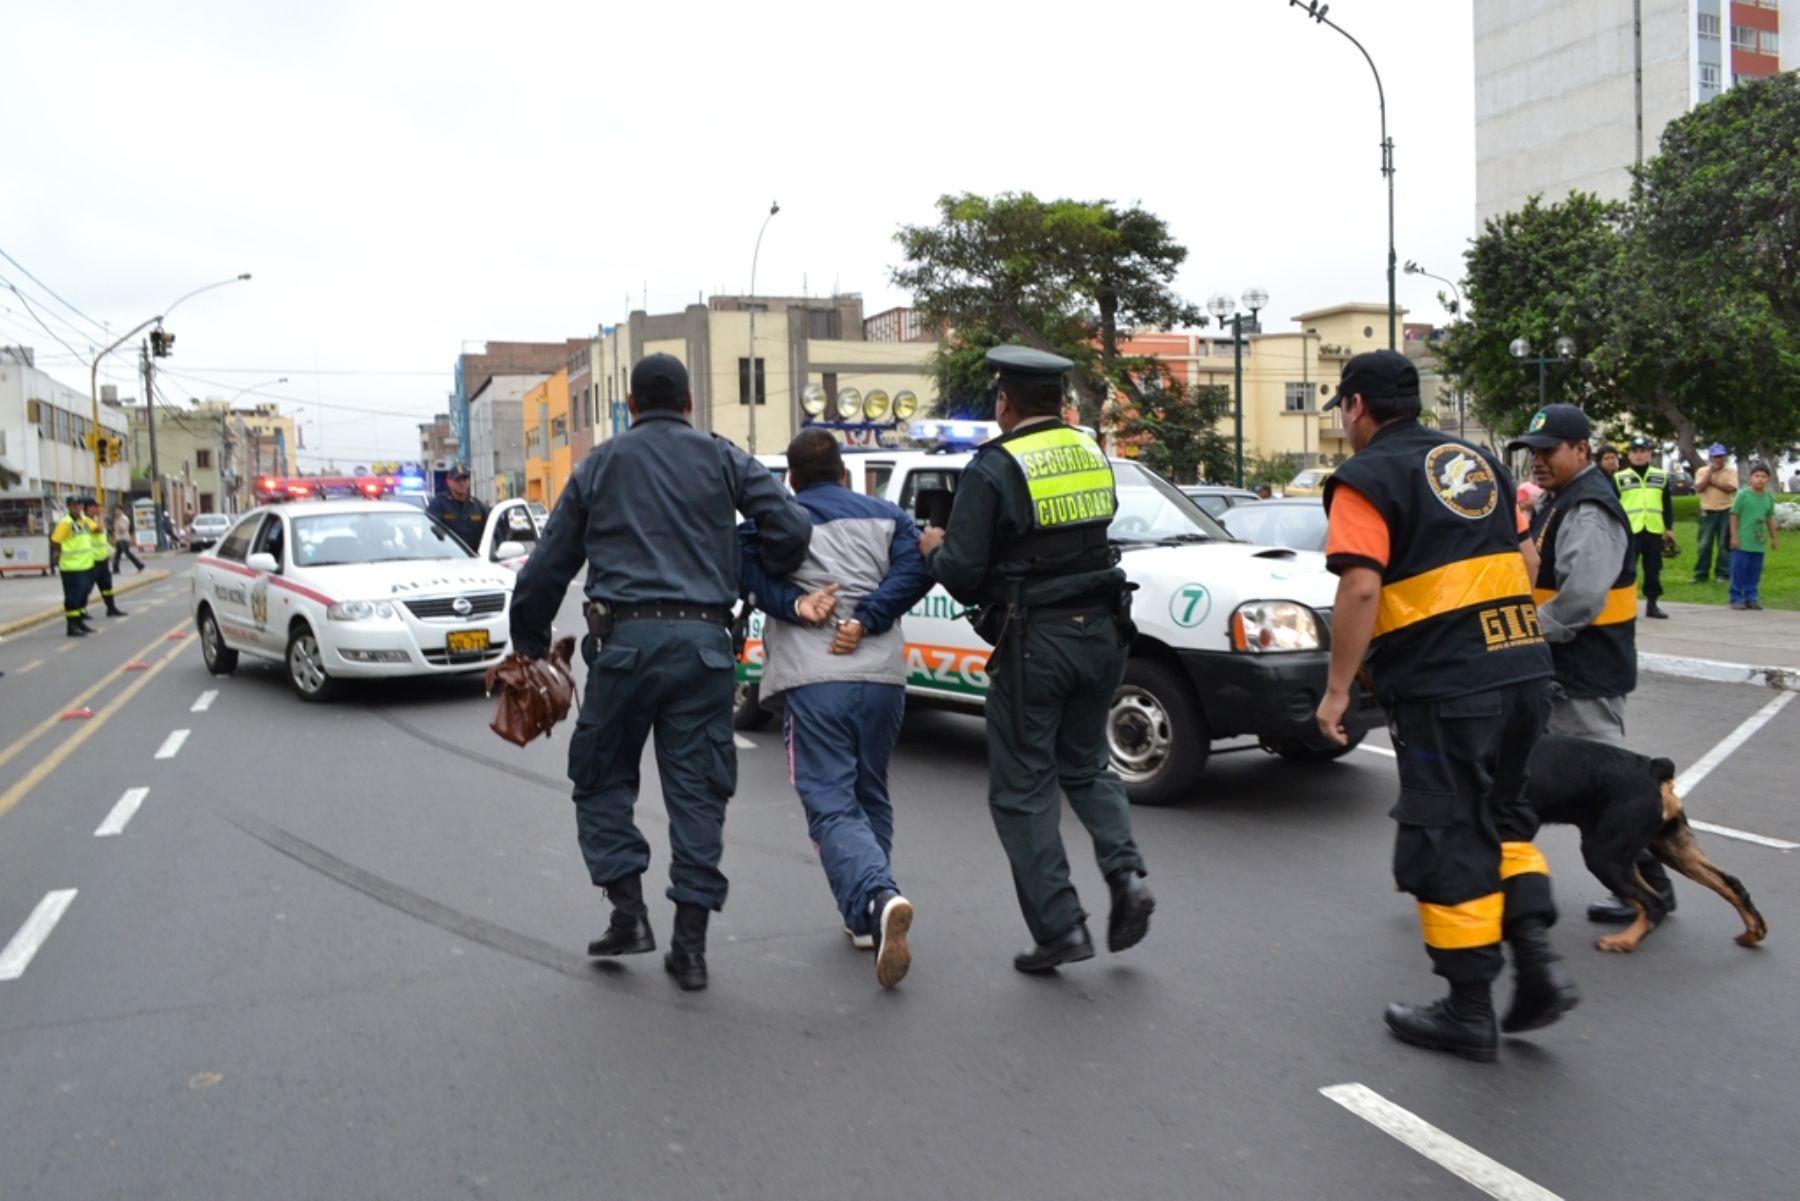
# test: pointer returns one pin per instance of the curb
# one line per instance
(144, 580)
(1781, 679)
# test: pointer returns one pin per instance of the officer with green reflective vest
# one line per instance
(1026, 542)
(94, 522)
(73, 553)
(1650, 507)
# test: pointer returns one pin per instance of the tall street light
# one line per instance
(1315, 10)
(1521, 350)
(1412, 268)
(750, 371)
(1222, 307)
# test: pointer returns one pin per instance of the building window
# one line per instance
(1709, 26)
(821, 323)
(1743, 37)
(1771, 42)
(203, 460)
(1709, 76)
(744, 383)
(559, 431)
(1299, 398)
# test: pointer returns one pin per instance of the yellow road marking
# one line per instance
(30, 736)
(31, 666)
(72, 743)
(65, 648)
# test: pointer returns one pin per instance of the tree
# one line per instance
(1063, 275)
(1274, 470)
(1176, 429)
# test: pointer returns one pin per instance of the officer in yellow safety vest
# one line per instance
(1649, 506)
(73, 555)
(1027, 542)
(95, 525)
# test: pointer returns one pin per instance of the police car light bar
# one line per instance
(952, 434)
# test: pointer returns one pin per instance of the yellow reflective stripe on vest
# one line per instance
(1620, 607)
(1460, 927)
(1451, 587)
(1521, 858)
(1068, 476)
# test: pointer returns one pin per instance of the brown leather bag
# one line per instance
(534, 693)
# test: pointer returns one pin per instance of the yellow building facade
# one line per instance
(545, 411)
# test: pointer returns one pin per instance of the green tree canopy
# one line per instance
(1176, 428)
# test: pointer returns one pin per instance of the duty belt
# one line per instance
(672, 611)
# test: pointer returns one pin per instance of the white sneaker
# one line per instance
(893, 919)
(862, 942)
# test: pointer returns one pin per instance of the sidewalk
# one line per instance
(1713, 642)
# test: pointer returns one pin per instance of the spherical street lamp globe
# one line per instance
(1520, 348)
(1565, 347)
(1220, 305)
(1256, 298)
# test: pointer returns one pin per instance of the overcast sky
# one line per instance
(407, 179)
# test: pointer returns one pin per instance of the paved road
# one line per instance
(337, 953)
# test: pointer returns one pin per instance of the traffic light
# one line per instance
(162, 343)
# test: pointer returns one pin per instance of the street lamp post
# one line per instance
(1316, 11)
(1412, 268)
(750, 371)
(1221, 307)
(1521, 350)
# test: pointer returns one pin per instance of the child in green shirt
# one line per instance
(1752, 536)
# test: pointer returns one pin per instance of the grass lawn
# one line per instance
(1781, 568)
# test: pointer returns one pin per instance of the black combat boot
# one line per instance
(1132, 905)
(76, 629)
(686, 960)
(628, 933)
(85, 627)
(112, 609)
(1461, 1023)
(1543, 990)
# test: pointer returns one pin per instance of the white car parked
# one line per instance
(342, 589)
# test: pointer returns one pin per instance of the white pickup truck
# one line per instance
(1233, 639)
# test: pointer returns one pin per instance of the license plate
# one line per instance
(466, 642)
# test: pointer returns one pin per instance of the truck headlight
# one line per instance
(358, 610)
(1264, 626)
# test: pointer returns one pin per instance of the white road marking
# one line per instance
(742, 743)
(1690, 779)
(24, 945)
(122, 812)
(31, 666)
(172, 744)
(205, 701)
(1376, 750)
(1451, 1154)
(1759, 839)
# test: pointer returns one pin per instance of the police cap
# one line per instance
(659, 377)
(1551, 426)
(1025, 363)
(1377, 375)
(458, 473)
(1640, 443)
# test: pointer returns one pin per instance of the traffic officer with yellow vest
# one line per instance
(94, 522)
(1650, 510)
(1027, 542)
(1434, 603)
(1586, 591)
(73, 554)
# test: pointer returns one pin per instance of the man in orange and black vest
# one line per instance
(1434, 602)
(1586, 591)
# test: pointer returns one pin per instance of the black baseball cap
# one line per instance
(659, 377)
(1551, 426)
(1377, 375)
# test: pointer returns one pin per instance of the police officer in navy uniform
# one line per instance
(465, 516)
(1026, 541)
(1434, 602)
(652, 514)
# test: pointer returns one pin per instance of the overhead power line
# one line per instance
(101, 326)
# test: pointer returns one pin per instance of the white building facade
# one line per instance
(48, 457)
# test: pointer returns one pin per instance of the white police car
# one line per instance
(1233, 639)
(342, 589)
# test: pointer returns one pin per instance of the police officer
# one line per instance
(73, 556)
(1433, 591)
(101, 573)
(465, 516)
(1650, 509)
(1586, 590)
(651, 512)
(1027, 542)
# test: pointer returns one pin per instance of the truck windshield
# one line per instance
(1153, 510)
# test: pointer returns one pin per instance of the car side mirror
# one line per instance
(509, 550)
(262, 561)
(932, 506)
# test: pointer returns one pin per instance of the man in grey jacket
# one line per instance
(845, 683)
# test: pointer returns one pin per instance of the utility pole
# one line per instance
(156, 505)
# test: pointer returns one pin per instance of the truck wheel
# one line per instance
(1156, 734)
(1295, 751)
(747, 712)
(221, 660)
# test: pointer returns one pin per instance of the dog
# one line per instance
(1625, 803)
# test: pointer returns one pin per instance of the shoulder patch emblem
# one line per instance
(1462, 480)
